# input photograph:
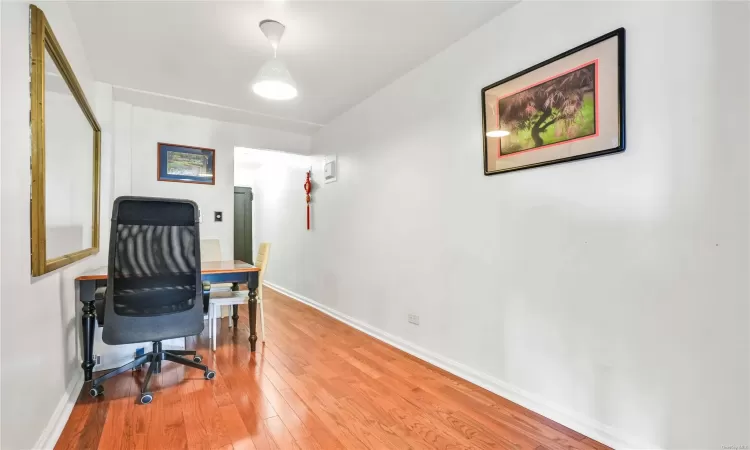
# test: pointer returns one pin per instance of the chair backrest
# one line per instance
(261, 260)
(154, 275)
(211, 250)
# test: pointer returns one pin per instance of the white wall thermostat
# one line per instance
(330, 168)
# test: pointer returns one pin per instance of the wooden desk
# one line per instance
(235, 272)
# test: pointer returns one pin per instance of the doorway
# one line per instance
(243, 224)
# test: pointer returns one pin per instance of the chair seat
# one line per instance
(153, 301)
(228, 297)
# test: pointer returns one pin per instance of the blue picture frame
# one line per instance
(186, 164)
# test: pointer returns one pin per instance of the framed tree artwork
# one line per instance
(569, 107)
(185, 164)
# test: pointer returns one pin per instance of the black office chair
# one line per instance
(154, 290)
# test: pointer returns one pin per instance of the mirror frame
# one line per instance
(43, 38)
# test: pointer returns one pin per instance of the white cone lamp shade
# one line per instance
(274, 81)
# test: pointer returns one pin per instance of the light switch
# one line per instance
(217, 216)
(329, 168)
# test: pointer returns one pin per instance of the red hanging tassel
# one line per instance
(308, 189)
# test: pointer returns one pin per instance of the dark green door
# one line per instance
(243, 224)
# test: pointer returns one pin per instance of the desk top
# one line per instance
(100, 273)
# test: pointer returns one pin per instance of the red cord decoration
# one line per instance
(308, 189)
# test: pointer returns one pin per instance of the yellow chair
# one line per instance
(210, 250)
(261, 261)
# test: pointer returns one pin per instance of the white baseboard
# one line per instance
(60, 416)
(582, 424)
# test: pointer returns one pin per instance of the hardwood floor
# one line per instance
(315, 384)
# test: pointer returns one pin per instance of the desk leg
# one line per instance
(252, 303)
(88, 320)
(235, 308)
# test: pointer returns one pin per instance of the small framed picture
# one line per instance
(569, 107)
(185, 164)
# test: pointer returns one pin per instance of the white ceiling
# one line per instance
(200, 57)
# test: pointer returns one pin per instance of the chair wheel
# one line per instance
(209, 374)
(96, 391)
(197, 358)
(146, 398)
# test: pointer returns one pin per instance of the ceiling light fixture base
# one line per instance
(273, 31)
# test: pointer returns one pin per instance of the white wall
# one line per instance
(138, 130)
(39, 324)
(279, 208)
(610, 293)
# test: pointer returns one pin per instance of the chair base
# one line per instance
(154, 360)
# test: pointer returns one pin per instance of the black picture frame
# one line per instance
(162, 173)
(620, 35)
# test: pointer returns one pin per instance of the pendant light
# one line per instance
(273, 80)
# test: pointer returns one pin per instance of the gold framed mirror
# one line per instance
(65, 157)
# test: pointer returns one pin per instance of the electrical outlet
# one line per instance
(413, 318)
(98, 359)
